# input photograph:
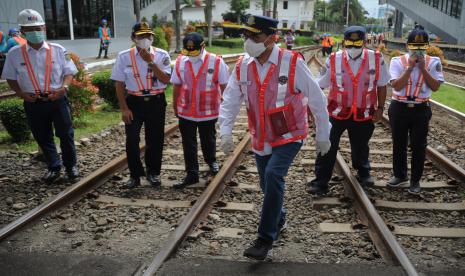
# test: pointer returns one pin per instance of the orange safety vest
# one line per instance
(143, 91)
(19, 40)
(325, 42)
(105, 33)
(32, 75)
(418, 85)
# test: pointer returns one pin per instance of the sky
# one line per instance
(371, 6)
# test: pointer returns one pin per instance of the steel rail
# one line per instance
(6, 95)
(74, 192)
(385, 242)
(200, 208)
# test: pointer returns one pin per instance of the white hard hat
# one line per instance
(30, 17)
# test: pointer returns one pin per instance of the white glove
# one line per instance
(227, 144)
(322, 147)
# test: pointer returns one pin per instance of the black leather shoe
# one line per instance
(73, 172)
(414, 188)
(317, 189)
(154, 180)
(395, 182)
(190, 179)
(132, 183)
(51, 176)
(214, 168)
(260, 249)
(366, 181)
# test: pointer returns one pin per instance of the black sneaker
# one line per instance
(190, 179)
(414, 188)
(214, 168)
(72, 172)
(260, 249)
(132, 183)
(316, 189)
(366, 181)
(51, 176)
(395, 182)
(154, 180)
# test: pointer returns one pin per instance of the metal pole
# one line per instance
(137, 9)
(70, 20)
(275, 9)
(347, 14)
(177, 22)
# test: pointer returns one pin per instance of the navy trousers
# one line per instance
(43, 117)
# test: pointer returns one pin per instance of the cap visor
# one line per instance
(417, 46)
(251, 29)
(144, 32)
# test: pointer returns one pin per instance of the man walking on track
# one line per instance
(104, 34)
(199, 78)
(277, 88)
(40, 72)
(143, 72)
(414, 76)
(357, 78)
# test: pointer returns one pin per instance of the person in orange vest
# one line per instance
(277, 87)
(326, 45)
(40, 72)
(357, 79)
(141, 75)
(199, 77)
(14, 39)
(331, 44)
(104, 33)
(414, 77)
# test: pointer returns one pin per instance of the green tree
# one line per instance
(334, 11)
(237, 8)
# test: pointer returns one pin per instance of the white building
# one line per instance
(295, 14)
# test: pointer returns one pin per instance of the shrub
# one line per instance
(189, 29)
(81, 94)
(230, 43)
(436, 52)
(159, 39)
(14, 119)
(304, 40)
(106, 87)
(169, 33)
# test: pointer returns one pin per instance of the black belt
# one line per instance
(413, 105)
(146, 98)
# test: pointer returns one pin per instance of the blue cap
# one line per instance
(355, 33)
(192, 44)
(12, 31)
(418, 38)
(104, 21)
(260, 24)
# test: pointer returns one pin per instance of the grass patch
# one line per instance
(219, 50)
(90, 123)
(4, 87)
(451, 96)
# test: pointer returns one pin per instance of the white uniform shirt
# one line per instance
(223, 77)
(324, 80)
(122, 70)
(15, 67)
(303, 81)
(434, 68)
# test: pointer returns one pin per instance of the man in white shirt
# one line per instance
(277, 88)
(143, 71)
(40, 72)
(357, 78)
(199, 77)
(414, 76)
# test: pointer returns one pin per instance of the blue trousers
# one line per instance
(42, 118)
(272, 169)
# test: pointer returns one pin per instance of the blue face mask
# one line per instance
(35, 37)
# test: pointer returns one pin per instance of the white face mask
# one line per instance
(144, 43)
(354, 52)
(254, 49)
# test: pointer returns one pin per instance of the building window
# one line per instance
(285, 5)
(87, 15)
(450, 7)
(284, 24)
(56, 18)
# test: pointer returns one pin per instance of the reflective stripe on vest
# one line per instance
(275, 95)
(31, 73)
(19, 40)
(343, 101)
(418, 85)
(148, 78)
(105, 34)
(200, 95)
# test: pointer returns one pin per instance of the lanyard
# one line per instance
(31, 73)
